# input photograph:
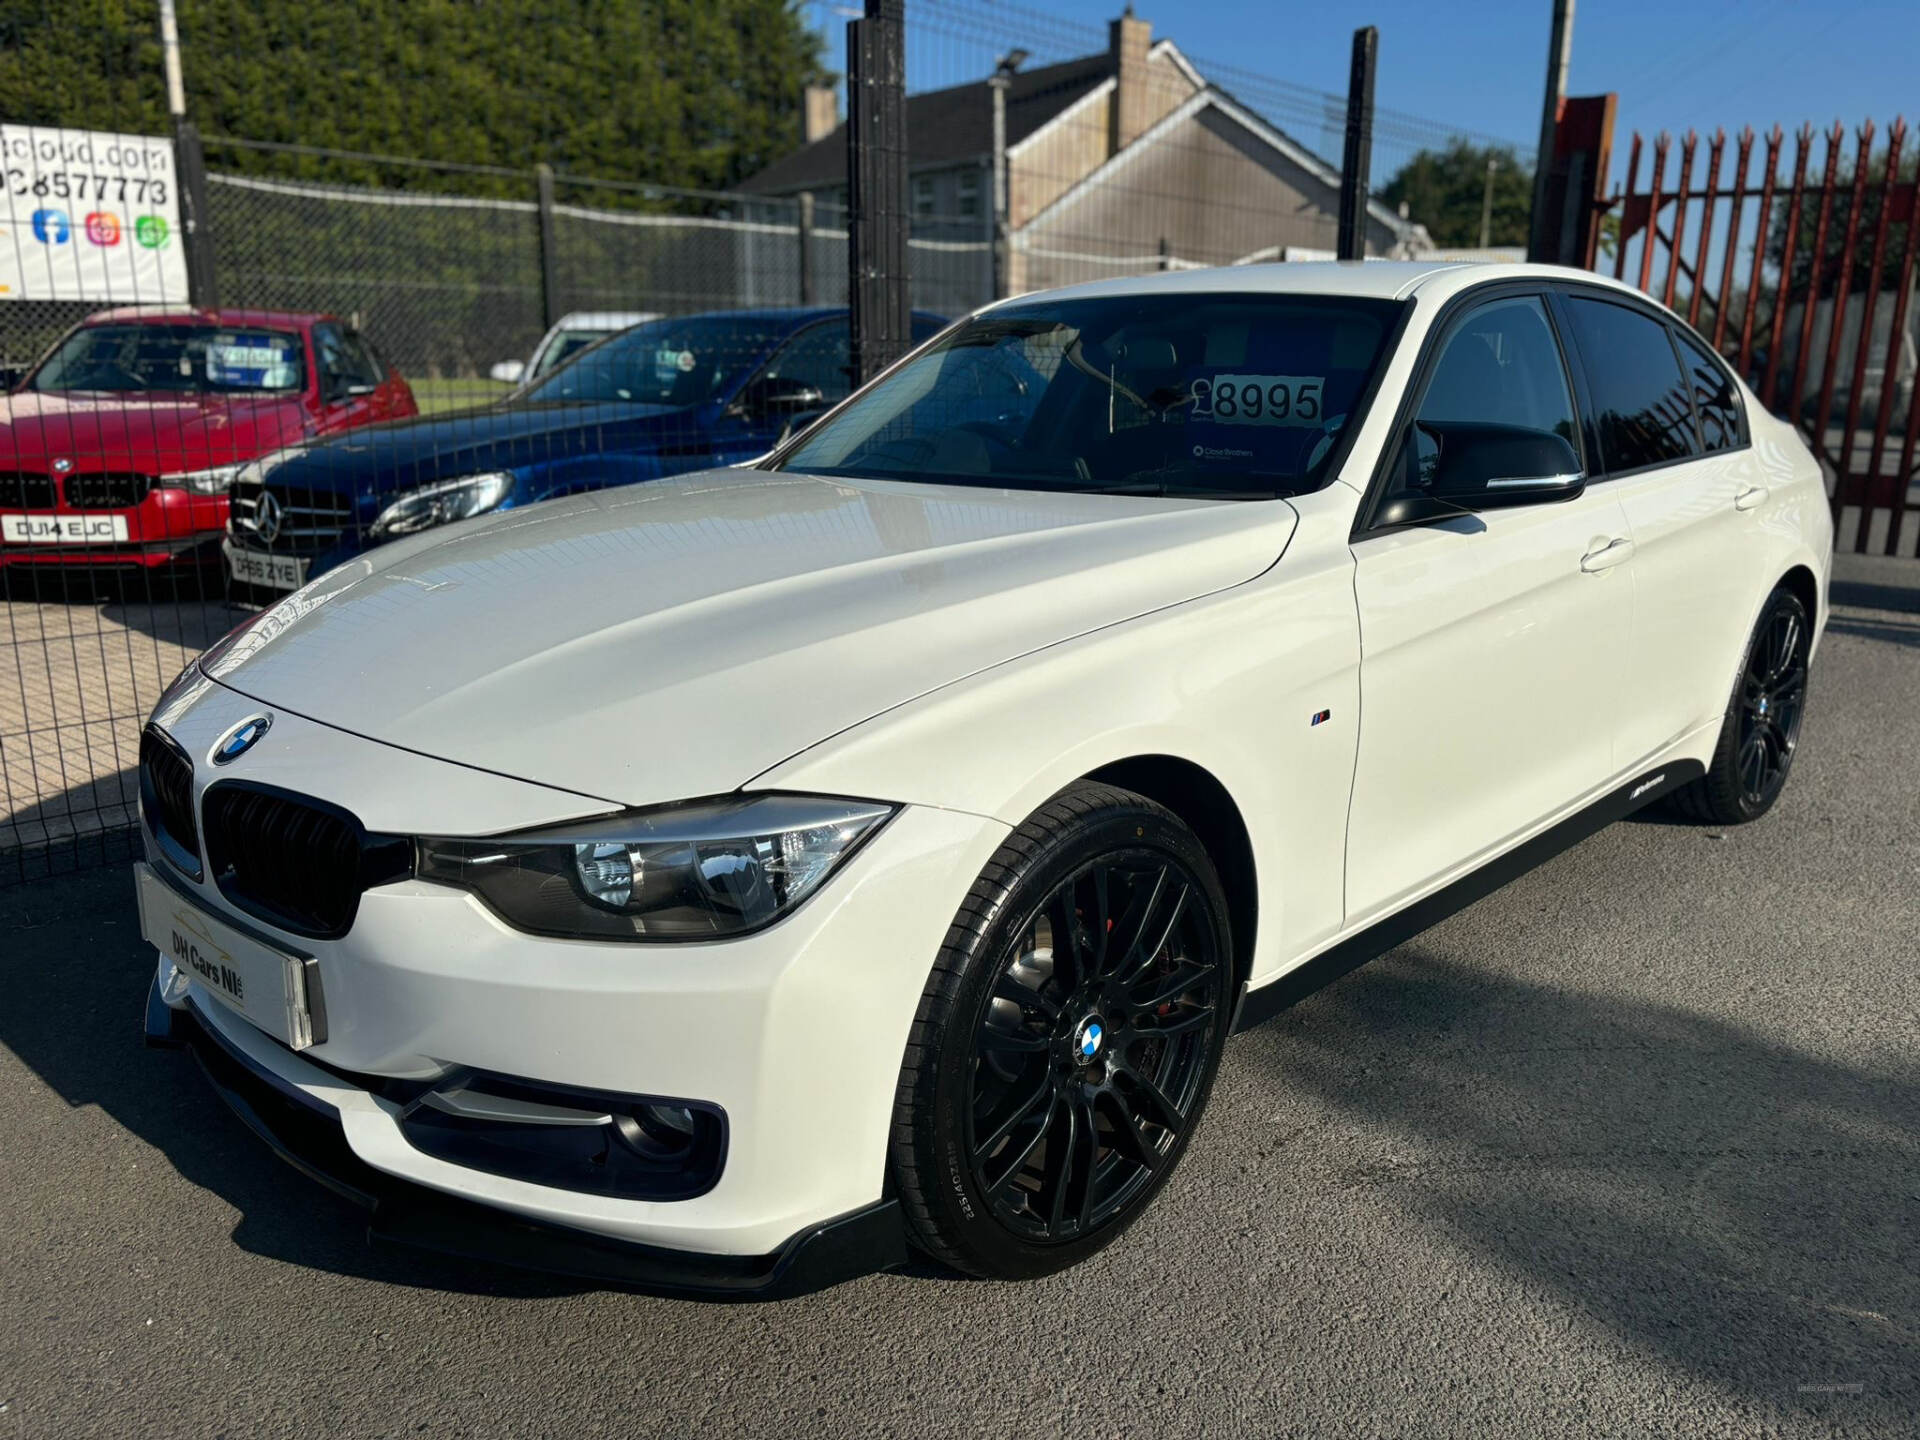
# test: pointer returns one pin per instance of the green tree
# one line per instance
(1805, 243)
(674, 92)
(1445, 189)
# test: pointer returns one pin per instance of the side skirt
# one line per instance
(1258, 1006)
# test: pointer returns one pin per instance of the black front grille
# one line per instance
(296, 863)
(166, 799)
(26, 490)
(295, 522)
(107, 490)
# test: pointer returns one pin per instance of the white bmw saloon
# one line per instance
(733, 883)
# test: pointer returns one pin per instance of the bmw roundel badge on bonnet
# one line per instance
(242, 738)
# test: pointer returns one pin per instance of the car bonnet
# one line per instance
(678, 638)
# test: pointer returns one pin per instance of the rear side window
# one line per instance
(1723, 424)
(1643, 412)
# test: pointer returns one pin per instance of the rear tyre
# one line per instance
(1762, 726)
(1067, 1038)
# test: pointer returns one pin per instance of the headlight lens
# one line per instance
(202, 482)
(702, 871)
(442, 504)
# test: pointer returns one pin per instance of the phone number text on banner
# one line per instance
(89, 215)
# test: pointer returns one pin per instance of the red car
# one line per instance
(116, 449)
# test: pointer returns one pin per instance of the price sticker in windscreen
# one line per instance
(1260, 399)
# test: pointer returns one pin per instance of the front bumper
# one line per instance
(307, 1132)
(795, 1033)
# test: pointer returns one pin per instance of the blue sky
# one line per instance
(1481, 67)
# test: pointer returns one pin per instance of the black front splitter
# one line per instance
(307, 1134)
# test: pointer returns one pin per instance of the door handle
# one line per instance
(1751, 498)
(1613, 553)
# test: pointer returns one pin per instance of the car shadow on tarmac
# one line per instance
(85, 1042)
(1737, 1209)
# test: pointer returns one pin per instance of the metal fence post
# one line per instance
(877, 285)
(1543, 236)
(1357, 162)
(549, 279)
(196, 235)
(804, 235)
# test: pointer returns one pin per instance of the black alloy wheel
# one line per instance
(1092, 1046)
(1773, 694)
(1761, 732)
(1067, 1038)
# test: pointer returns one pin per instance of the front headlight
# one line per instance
(201, 482)
(442, 504)
(702, 871)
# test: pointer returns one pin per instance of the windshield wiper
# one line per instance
(1182, 490)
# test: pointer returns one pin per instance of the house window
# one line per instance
(969, 203)
(922, 196)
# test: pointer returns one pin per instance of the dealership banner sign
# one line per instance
(90, 215)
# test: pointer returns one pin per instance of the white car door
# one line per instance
(1490, 643)
(1676, 452)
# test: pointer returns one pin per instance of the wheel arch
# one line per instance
(1806, 588)
(1206, 806)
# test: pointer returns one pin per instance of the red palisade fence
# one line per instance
(1808, 292)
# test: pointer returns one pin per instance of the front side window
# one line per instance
(1241, 396)
(1722, 421)
(346, 365)
(1643, 412)
(177, 359)
(820, 357)
(677, 363)
(1499, 370)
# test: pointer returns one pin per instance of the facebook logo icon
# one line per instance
(50, 227)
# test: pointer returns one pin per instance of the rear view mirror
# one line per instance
(1484, 467)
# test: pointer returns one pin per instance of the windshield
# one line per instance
(1213, 395)
(663, 362)
(189, 359)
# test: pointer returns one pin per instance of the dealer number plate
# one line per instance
(268, 986)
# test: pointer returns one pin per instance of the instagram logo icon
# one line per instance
(103, 229)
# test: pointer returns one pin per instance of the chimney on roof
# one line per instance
(1127, 41)
(820, 112)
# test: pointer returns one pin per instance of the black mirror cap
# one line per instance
(11, 376)
(777, 395)
(1402, 512)
(1487, 467)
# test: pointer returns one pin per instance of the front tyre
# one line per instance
(1762, 726)
(1067, 1038)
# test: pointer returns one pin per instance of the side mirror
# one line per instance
(1402, 511)
(779, 395)
(11, 375)
(1486, 467)
(508, 372)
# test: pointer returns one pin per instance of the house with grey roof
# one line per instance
(1119, 162)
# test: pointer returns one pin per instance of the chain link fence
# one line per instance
(1039, 153)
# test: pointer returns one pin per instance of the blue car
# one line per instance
(664, 397)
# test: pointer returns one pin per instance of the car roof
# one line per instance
(1375, 279)
(604, 319)
(792, 316)
(192, 315)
